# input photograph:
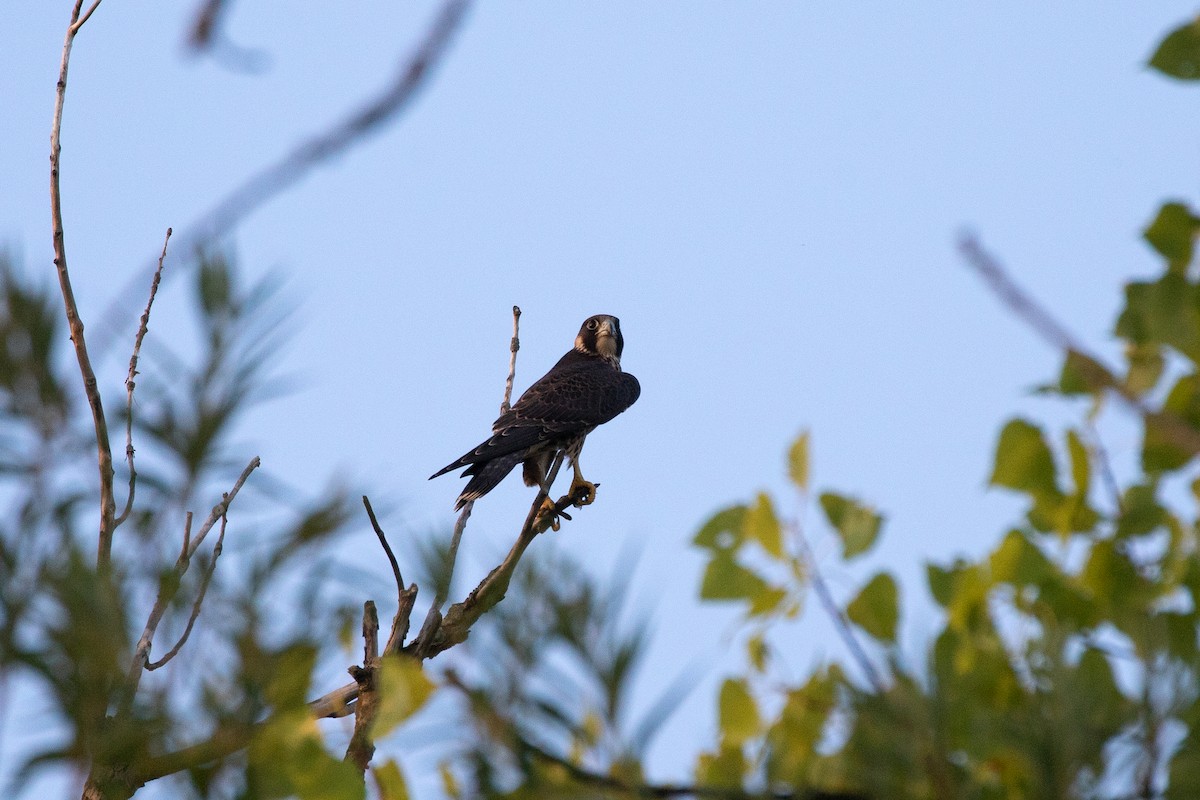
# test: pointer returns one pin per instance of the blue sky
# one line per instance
(766, 194)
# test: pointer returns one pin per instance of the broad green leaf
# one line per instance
(794, 737)
(738, 713)
(941, 583)
(1146, 364)
(1023, 459)
(856, 524)
(1173, 233)
(876, 608)
(291, 672)
(1019, 561)
(1178, 55)
(1140, 512)
(761, 525)
(723, 531)
(390, 781)
(724, 769)
(1164, 311)
(290, 760)
(798, 462)
(403, 689)
(1164, 448)
(725, 579)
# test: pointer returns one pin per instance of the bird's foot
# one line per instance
(549, 509)
(583, 493)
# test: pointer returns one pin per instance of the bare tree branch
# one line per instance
(838, 616)
(513, 347)
(405, 598)
(1092, 370)
(108, 504)
(208, 573)
(361, 749)
(143, 326)
(171, 586)
(266, 184)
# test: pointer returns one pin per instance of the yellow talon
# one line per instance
(585, 497)
(548, 508)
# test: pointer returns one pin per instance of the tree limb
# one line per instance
(361, 749)
(108, 504)
(1093, 371)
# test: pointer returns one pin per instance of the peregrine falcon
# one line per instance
(584, 389)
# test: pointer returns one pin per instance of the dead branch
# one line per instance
(361, 749)
(513, 347)
(204, 581)
(108, 504)
(170, 587)
(143, 326)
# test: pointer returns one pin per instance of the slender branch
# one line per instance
(1093, 371)
(329, 143)
(433, 618)
(513, 347)
(835, 613)
(108, 505)
(405, 598)
(143, 326)
(187, 631)
(361, 749)
(170, 586)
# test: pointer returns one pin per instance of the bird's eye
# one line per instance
(592, 324)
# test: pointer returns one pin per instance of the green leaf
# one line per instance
(1162, 449)
(1179, 53)
(1146, 364)
(725, 769)
(1023, 459)
(798, 462)
(1019, 561)
(725, 579)
(723, 531)
(738, 714)
(1173, 233)
(856, 524)
(1140, 512)
(761, 525)
(403, 689)
(390, 781)
(876, 608)
(757, 651)
(1081, 464)
(1164, 311)
(941, 583)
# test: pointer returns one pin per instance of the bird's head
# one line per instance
(601, 336)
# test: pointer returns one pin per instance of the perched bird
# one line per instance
(584, 389)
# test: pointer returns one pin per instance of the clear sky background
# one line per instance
(766, 194)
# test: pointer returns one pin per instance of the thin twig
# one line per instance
(387, 548)
(433, 619)
(405, 598)
(324, 146)
(513, 347)
(1100, 453)
(108, 505)
(838, 616)
(170, 586)
(204, 581)
(143, 327)
(1093, 371)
